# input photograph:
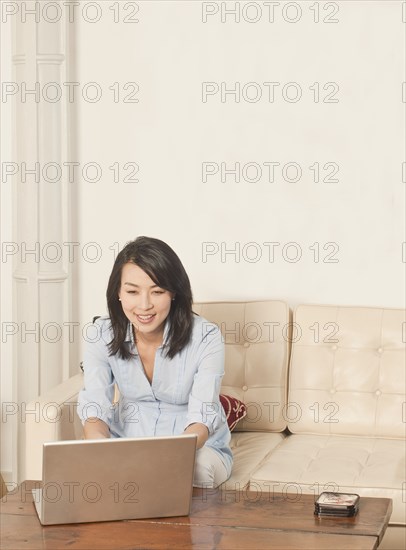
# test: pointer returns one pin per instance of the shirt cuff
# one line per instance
(207, 413)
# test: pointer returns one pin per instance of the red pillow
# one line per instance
(234, 408)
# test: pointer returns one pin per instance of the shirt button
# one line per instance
(245, 388)
(246, 344)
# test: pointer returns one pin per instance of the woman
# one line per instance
(166, 361)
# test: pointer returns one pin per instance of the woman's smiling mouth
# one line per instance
(145, 319)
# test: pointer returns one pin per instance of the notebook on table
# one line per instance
(116, 479)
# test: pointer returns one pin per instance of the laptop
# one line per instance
(116, 479)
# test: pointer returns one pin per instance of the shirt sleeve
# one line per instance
(204, 402)
(96, 398)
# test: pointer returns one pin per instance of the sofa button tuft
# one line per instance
(334, 348)
(245, 388)
(378, 392)
(380, 350)
(246, 344)
(333, 390)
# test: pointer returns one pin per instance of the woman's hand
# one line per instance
(200, 430)
(94, 428)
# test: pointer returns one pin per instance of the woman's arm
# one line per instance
(95, 399)
(204, 408)
(201, 431)
(94, 428)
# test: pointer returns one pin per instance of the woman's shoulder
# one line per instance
(102, 329)
(103, 322)
(203, 330)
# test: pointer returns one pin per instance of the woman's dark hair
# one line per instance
(163, 266)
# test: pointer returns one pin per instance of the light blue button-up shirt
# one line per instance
(184, 389)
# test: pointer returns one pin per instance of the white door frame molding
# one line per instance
(42, 208)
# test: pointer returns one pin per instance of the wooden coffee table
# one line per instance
(223, 520)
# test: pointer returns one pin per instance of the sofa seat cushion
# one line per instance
(314, 463)
(249, 450)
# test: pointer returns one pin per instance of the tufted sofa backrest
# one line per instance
(256, 336)
(347, 371)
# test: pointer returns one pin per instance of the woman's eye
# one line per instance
(155, 292)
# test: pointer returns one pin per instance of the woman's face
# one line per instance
(144, 303)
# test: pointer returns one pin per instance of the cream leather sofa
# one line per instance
(325, 393)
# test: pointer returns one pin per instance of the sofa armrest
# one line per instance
(50, 417)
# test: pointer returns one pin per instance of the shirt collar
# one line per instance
(130, 334)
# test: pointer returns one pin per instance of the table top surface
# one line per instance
(218, 519)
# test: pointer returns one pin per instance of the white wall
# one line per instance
(171, 131)
(163, 125)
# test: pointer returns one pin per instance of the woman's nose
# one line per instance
(145, 301)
